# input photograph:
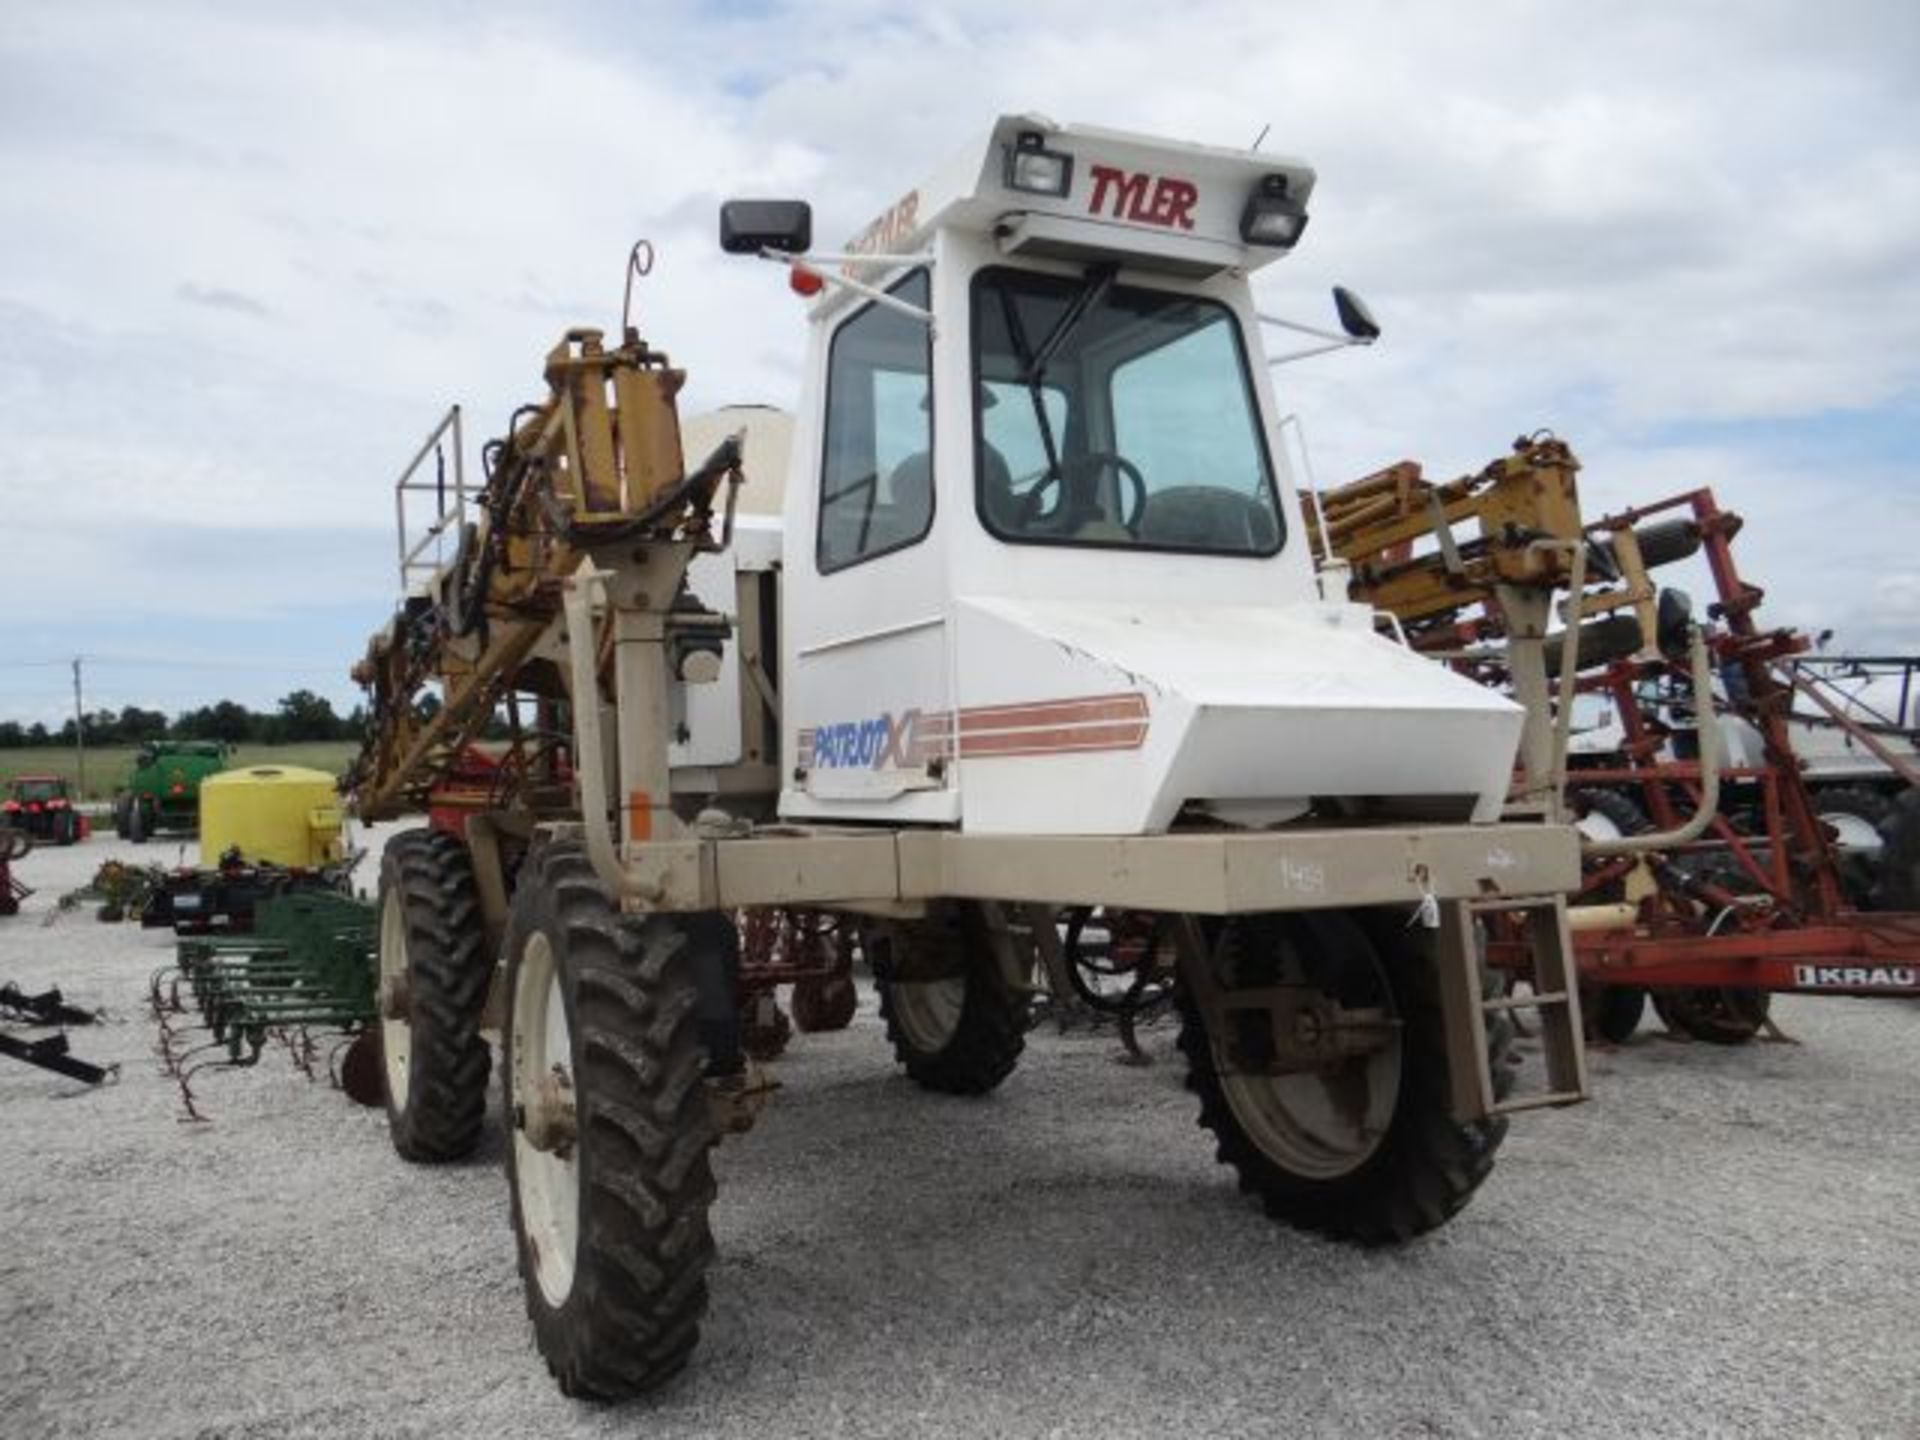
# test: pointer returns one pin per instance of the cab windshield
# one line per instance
(1116, 416)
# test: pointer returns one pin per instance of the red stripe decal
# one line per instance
(1054, 712)
(1129, 735)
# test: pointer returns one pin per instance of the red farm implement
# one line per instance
(1725, 860)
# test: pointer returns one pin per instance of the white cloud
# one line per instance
(248, 254)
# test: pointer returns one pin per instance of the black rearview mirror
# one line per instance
(749, 226)
(1355, 318)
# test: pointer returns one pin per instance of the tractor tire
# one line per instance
(610, 1209)
(1613, 637)
(765, 1029)
(1898, 887)
(433, 949)
(1856, 814)
(138, 825)
(1718, 1015)
(822, 1005)
(955, 1023)
(1614, 1011)
(1666, 541)
(1406, 1166)
(1608, 815)
(120, 805)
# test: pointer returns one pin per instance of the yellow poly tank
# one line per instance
(274, 813)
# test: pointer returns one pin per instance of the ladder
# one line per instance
(1555, 999)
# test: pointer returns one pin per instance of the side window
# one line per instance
(876, 477)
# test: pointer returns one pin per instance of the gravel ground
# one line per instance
(1721, 1244)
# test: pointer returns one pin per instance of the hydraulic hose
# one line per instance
(1709, 731)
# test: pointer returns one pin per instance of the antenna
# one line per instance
(1261, 136)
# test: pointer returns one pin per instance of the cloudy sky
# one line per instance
(249, 253)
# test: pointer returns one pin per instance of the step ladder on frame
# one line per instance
(1555, 999)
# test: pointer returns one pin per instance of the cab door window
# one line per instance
(876, 475)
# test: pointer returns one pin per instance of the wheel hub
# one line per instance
(1311, 1070)
(548, 1118)
(396, 997)
(929, 1010)
(1855, 832)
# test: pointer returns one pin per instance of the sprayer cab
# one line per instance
(1045, 569)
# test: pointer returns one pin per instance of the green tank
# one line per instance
(163, 792)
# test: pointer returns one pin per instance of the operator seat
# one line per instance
(911, 485)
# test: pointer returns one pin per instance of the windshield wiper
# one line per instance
(1099, 280)
(1033, 363)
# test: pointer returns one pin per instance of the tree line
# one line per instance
(302, 715)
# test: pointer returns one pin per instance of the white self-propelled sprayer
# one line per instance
(1036, 634)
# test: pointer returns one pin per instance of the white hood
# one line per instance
(1114, 715)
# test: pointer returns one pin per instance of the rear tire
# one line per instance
(825, 940)
(953, 1019)
(137, 825)
(820, 1006)
(1608, 815)
(611, 1228)
(1857, 815)
(433, 940)
(1899, 884)
(1729, 1015)
(1614, 1011)
(1406, 1166)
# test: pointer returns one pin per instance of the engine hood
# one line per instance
(1106, 718)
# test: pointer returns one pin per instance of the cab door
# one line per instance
(867, 710)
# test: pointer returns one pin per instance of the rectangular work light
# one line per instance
(1037, 170)
(1272, 216)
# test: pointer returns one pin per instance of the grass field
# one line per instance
(108, 766)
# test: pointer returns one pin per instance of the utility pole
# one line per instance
(79, 732)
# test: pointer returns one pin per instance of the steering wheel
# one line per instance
(1093, 460)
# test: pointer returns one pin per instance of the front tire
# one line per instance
(609, 1205)
(955, 1022)
(1363, 1148)
(434, 971)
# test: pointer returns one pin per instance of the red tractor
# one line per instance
(13, 845)
(41, 806)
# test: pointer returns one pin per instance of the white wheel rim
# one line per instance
(1097, 941)
(1310, 1123)
(548, 1184)
(1855, 831)
(1595, 826)
(396, 1036)
(929, 1010)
